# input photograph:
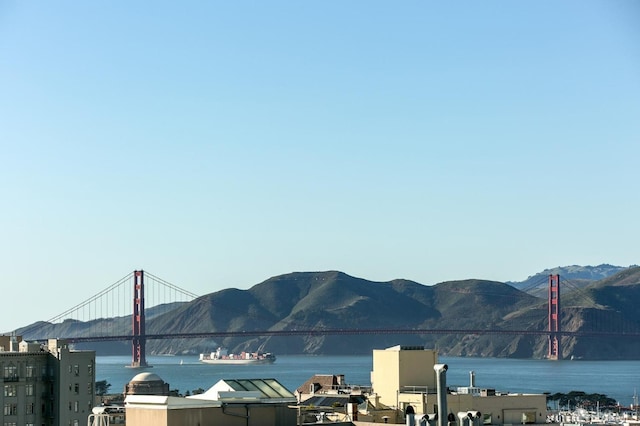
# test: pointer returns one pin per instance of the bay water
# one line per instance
(617, 379)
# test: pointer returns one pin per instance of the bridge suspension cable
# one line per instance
(90, 300)
(172, 286)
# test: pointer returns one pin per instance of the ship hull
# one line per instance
(238, 361)
(222, 357)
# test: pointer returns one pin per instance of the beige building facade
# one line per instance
(402, 368)
(404, 376)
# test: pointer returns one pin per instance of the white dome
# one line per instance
(147, 377)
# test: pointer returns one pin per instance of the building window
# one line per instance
(76, 388)
(10, 409)
(90, 369)
(75, 423)
(76, 406)
(9, 390)
(76, 369)
(69, 368)
(30, 408)
(10, 373)
(89, 388)
(28, 390)
(30, 372)
(9, 423)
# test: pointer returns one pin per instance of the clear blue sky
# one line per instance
(217, 144)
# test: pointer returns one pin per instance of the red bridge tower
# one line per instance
(139, 338)
(555, 351)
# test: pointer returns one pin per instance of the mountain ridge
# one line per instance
(336, 300)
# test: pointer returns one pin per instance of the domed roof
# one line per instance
(147, 377)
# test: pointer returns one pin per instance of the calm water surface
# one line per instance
(618, 379)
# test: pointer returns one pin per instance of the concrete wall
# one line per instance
(230, 415)
(140, 417)
(385, 377)
(504, 409)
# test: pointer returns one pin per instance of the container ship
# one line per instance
(221, 356)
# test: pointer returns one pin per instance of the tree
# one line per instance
(197, 391)
(102, 387)
(579, 399)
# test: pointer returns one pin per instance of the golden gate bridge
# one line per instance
(102, 318)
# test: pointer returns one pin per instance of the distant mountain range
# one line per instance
(605, 299)
(574, 275)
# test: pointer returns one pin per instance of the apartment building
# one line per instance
(45, 385)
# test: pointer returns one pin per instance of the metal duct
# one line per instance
(475, 418)
(464, 418)
(441, 385)
(410, 416)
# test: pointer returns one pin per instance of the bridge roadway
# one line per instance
(326, 332)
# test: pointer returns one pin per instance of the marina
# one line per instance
(581, 417)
